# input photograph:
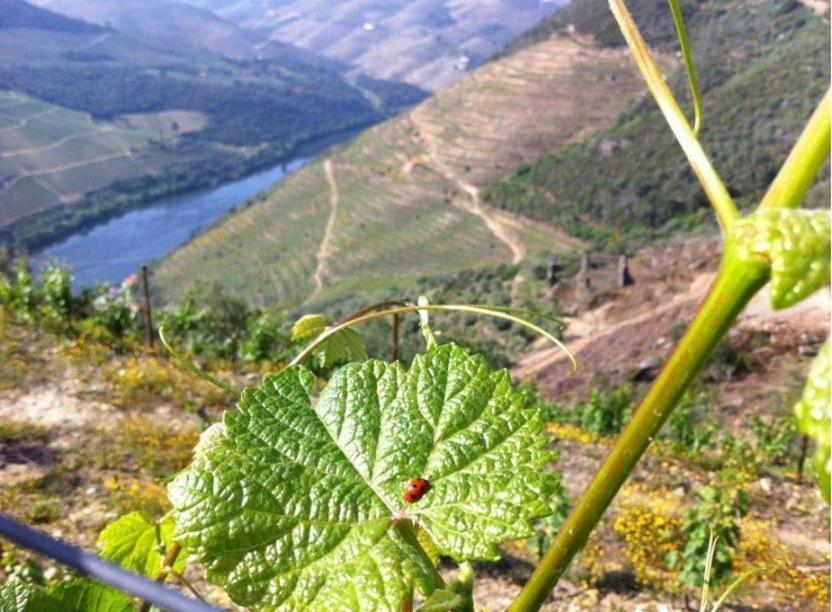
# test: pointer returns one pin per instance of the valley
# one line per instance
(408, 188)
(95, 122)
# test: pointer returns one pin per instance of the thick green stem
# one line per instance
(802, 165)
(734, 286)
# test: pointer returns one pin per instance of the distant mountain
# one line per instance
(19, 14)
(93, 120)
(552, 138)
(176, 23)
(430, 43)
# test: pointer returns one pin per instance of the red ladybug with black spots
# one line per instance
(416, 490)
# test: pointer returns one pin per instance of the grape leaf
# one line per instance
(796, 244)
(343, 346)
(309, 327)
(457, 596)
(83, 595)
(814, 414)
(20, 596)
(138, 544)
(76, 595)
(292, 506)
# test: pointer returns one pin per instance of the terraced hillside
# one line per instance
(111, 120)
(50, 154)
(402, 201)
(763, 66)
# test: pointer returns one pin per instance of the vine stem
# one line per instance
(720, 199)
(735, 284)
(501, 313)
(167, 564)
(189, 365)
(808, 155)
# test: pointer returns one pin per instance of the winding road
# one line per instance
(325, 250)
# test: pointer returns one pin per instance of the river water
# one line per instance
(117, 248)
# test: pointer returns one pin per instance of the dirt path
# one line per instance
(591, 327)
(472, 204)
(325, 250)
(495, 224)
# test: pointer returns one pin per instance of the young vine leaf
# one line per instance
(20, 596)
(344, 346)
(293, 506)
(138, 544)
(457, 596)
(76, 595)
(814, 416)
(796, 244)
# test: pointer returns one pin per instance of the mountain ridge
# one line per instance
(428, 43)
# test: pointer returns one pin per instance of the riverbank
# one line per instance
(112, 251)
(40, 231)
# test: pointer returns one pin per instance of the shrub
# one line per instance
(111, 318)
(18, 293)
(606, 411)
(546, 528)
(55, 293)
(719, 509)
(687, 426)
(774, 439)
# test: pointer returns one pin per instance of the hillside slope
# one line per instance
(429, 43)
(402, 201)
(762, 65)
(109, 120)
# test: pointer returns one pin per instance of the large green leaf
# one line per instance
(795, 243)
(814, 414)
(20, 596)
(343, 346)
(294, 506)
(83, 595)
(76, 595)
(139, 544)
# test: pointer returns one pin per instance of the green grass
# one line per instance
(21, 430)
(26, 196)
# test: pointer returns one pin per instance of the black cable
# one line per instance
(101, 570)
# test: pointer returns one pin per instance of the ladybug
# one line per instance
(416, 490)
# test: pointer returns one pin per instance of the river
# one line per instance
(117, 248)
